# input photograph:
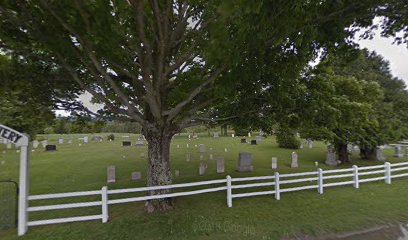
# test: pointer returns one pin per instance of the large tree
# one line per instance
(173, 64)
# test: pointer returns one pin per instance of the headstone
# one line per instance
(331, 156)
(253, 142)
(189, 136)
(225, 150)
(111, 172)
(316, 164)
(142, 155)
(397, 152)
(187, 145)
(274, 163)
(61, 141)
(355, 148)
(97, 138)
(69, 141)
(249, 134)
(310, 143)
(211, 156)
(44, 143)
(201, 148)
(258, 139)
(187, 157)
(49, 148)
(8, 145)
(243, 140)
(139, 143)
(86, 139)
(178, 145)
(301, 145)
(216, 135)
(245, 162)
(126, 144)
(220, 165)
(136, 176)
(36, 143)
(176, 173)
(233, 135)
(294, 163)
(379, 154)
(201, 157)
(201, 169)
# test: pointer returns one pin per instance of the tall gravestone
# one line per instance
(274, 163)
(201, 169)
(294, 158)
(379, 154)
(397, 152)
(245, 162)
(216, 135)
(310, 143)
(220, 165)
(35, 144)
(201, 148)
(258, 139)
(330, 156)
(187, 157)
(86, 139)
(111, 174)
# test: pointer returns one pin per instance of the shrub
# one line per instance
(111, 137)
(286, 139)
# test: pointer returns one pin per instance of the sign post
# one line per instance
(22, 140)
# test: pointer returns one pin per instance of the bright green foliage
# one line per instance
(286, 138)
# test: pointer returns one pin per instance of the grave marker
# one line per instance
(111, 174)
(201, 148)
(201, 169)
(245, 162)
(139, 143)
(176, 173)
(36, 143)
(258, 139)
(274, 163)
(136, 176)
(61, 141)
(331, 156)
(294, 163)
(253, 142)
(243, 140)
(220, 165)
(50, 148)
(126, 144)
(397, 152)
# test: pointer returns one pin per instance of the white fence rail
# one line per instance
(275, 184)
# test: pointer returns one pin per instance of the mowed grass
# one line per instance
(205, 216)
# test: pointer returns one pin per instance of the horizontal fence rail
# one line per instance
(274, 184)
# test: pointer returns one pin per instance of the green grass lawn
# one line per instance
(205, 216)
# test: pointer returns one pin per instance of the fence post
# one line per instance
(387, 166)
(229, 191)
(320, 180)
(277, 187)
(104, 193)
(355, 177)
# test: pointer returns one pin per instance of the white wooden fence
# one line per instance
(281, 183)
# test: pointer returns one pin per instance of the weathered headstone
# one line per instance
(61, 141)
(187, 157)
(211, 156)
(249, 134)
(187, 145)
(176, 173)
(225, 150)
(253, 142)
(258, 139)
(111, 172)
(44, 143)
(331, 156)
(139, 143)
(69, 141)
(294, 158)
(220, 165)
(301, 145)
(126, 144)
(243, 140)
(274, 163)
(233, 135)
(178, 145)
(397, 152)
(379, 154)
(142, 155)
(50, 148)
(245, 162)
(201, 169)
(316, 164)
(136, 176)
(310, 143)
(201, 148)
(36, 143)
(201, 157)
(86, 139)
(216, 135)
(97, 138)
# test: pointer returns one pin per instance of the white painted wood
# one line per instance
(371, 167)
(143, 189)
(294, 189)
(253, 185)
(241, 195)
(63, 195)
(400, 175)
(64, 206)
(399, 164)
(338, 183)
(104, 198)
(277, 192)
(298, 174)
(372, 172)
(136, 199)
(24, 185)
(252, 178)
(372, 179)
(356, 182)
(398, 169)
(64, 220)
(339, 176)
(387, 169)
(320, 181)
(298, 180)
(338, 170)
(229, 191)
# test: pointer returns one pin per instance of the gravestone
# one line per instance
(97, 138)
(178, 145)
(201, 157)
(136, 176)
(379, 154)
(187, 145)
(69, 141)
(111, 172)
(8, 145)
(216, 135)
(61, 141)
(139, 143)
(243, 140)
(355, 148)
(294, 163)
(86, 139)
(225, 150)
(316, 164)
(233, 135)
(258, 139)
(220, 165)
(301, 145)
(201, 148)
(331, 156)
(397, 152)
(274, 163)
(187, 157)
(36, 143)
(44, 143)
(126, 144)
(245, 162)
(211, 156)
(253, 142)
(310, 143)
(176, 173)
(50, 148)
(201, 169)
(142, 155)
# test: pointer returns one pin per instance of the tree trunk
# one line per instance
(342, 153)
(158, 172)
(368, 154)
